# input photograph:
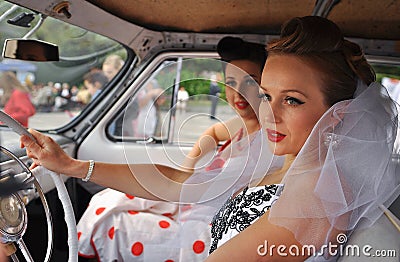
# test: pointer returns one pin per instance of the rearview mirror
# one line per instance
(30, 50)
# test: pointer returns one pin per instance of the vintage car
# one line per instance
(166, 44)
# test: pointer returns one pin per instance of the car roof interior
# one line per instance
(151, 26)
(364, 19)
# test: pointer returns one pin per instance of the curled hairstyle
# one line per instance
(234, 48)
(321, 44)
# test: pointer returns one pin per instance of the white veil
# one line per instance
(339, 178)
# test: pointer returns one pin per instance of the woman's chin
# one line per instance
(272, 147)
(276, 150)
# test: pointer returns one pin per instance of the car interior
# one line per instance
(52, 44)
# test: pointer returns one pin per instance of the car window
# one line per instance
(56, 89)
(173, 104)
(389, 76)
(139, 119)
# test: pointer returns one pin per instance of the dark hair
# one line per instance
(96, 76)
(234, 48)
(320, 42)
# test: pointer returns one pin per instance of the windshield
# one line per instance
(51, 94)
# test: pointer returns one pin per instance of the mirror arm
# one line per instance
(36, 27)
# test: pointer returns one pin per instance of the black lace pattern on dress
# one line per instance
(240, 212)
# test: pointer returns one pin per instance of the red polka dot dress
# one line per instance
(120, 227)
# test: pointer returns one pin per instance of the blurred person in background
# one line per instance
(43, 99)
(16, 98)
(159, 129)
(62, 99)
(183, 97)
(83, 96)
(74, 103)
(144, 125)
(215, 93)
(94, 81)
(111, 66)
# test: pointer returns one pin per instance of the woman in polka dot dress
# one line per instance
(121, 227)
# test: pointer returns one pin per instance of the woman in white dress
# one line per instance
(322, 113)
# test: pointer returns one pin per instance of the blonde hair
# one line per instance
(9, 82)
(115, 61)
(320, 43)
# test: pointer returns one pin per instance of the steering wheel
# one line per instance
(13, 215)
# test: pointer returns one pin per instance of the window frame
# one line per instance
(142, 76)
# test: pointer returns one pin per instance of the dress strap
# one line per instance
(238, 135)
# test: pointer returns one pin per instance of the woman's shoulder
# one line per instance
(19, 93)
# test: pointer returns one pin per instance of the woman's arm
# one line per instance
(149, 181)
(210, 138)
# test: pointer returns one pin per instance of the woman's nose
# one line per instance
(271, 112)
(241, 89)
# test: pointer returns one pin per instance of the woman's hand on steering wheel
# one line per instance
(45, 152)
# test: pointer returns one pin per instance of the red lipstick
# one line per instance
(241, 105)
(275, 136)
